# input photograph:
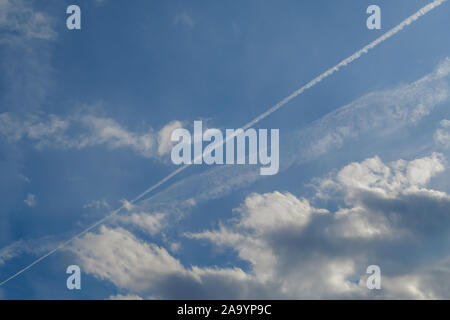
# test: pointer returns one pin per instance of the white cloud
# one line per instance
(25, 33)
(175, 246)
(428, 283)
(33, 128)
(257, 212)
(11, 251)
(18, 19)
(24, 178)
(30, 200)
(164, 141)
(372, 175)
(35, 247)
(442, 135)
(97, 204)
(148, 222)
(129, 263)
(127, 205)
(117, 255)
(377, 114)
(109, 132)
(82, 131)
(303, 252)
(385, 214)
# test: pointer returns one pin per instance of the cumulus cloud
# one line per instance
(117, 255)
(137, 266)
(384, 211)
(384, 214)
(372, 175)
(257, 212)
(428, 283)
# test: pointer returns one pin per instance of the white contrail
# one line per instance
(315, 81)
(274, 108)
(348, 60)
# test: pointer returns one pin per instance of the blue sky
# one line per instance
(84, 121)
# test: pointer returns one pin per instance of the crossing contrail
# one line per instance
(267, 113)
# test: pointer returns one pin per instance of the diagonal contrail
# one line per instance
(267, 113)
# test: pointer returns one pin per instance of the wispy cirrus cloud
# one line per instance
(81, 131)
(27, 31)
(442, 135)
(97, 204)
(21, 247)
(378, 114)
(20, 21)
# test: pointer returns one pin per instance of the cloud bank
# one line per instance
(386, 215)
